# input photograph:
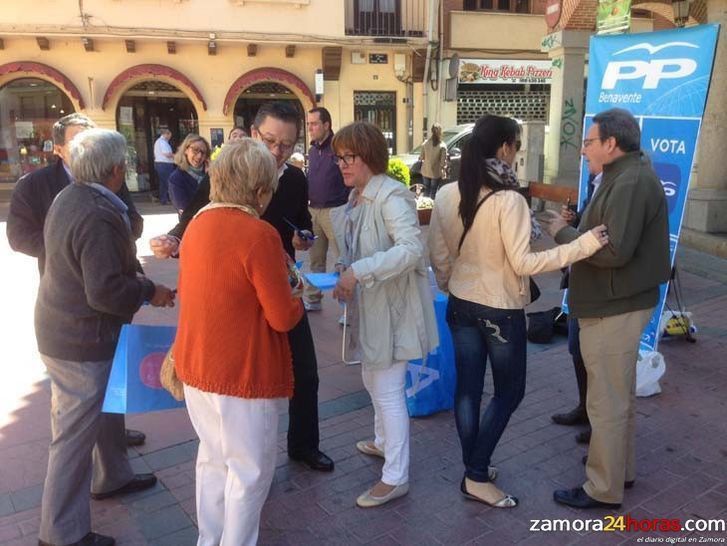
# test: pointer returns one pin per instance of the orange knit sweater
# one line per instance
(236, 307)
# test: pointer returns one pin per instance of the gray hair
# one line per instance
(60, 126)
(95, 153)
(622, 126)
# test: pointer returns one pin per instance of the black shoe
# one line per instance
(576, 416)
(584, 436)
(134, 437)
(91, 539)
(628, 484)
(138, 483)
(578, 498)
(315, 460)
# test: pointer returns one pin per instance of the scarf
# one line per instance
(197, 174)
(502, 172)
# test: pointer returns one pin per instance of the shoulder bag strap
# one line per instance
(477, 208)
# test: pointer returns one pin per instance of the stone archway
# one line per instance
(136, 74)
(30, 69)
(274, 75)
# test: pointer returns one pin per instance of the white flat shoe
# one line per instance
(369, 448)
(367, 500)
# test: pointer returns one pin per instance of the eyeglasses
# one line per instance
(347, 159)
(197, 151)
(271, 143)
(587, 141)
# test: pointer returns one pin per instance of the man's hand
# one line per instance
(345, 286)
(553, 222)
(164, 246)
(567, 214)
(303, 243)
(163, 296)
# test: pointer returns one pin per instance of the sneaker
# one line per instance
(312, 305)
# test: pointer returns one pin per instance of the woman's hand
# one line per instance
(601, 233)
(164, 246)
(345, 286)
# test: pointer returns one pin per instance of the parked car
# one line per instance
(454, 138)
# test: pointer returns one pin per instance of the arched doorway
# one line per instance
(252, 98)
(28, 109)
(141, 112)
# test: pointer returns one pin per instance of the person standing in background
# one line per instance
(163, 163)
(433, 157)
(326, 192)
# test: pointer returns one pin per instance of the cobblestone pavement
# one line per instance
(681, 441)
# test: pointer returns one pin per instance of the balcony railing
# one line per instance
(386, 18)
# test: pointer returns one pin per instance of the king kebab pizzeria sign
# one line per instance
(505, 71)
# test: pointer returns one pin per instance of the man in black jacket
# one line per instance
(33, 195)
(277, 125)
(89, 289)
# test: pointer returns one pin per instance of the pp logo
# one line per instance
(149, 370)
(651, 72)
(671, 178)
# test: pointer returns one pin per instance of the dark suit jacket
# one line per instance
(31, 199)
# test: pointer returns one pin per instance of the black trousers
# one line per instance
(303, 434)
(574, 348)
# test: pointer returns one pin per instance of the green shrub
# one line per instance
(398, 170)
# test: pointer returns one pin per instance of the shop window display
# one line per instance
(28, 109)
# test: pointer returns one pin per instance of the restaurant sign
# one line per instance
(505, 71)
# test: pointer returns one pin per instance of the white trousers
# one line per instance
(391, 419)
(235, 463)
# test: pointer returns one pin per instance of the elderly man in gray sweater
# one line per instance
(89, 289)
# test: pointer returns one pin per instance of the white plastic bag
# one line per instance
(649, 368)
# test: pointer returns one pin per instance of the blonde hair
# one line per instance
(180, 158)
(242, 169)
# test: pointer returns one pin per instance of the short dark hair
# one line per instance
(365, 140)
(622, 126)
(60, 126)
(323, 114)
(284, 111)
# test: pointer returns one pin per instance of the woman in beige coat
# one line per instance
(434, 158)
(384, 279)
(479, 243)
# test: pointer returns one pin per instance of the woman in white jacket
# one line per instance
(384, 279)
(479, 244)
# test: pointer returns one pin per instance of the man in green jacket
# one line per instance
(613, 295)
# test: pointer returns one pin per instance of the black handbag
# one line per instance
(541, 325)
(534, 290)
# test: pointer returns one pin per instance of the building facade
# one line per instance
(203, 66)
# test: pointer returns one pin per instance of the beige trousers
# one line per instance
(323, 229)
(610, 347)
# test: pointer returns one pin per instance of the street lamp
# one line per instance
(680, 8)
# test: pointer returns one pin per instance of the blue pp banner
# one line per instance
(430, 387)
(134, 385)
(662, 78)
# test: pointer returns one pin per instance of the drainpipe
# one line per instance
(433, 10)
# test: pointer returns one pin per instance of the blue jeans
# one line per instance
(480, 332)
(163, 171)
(431, 185)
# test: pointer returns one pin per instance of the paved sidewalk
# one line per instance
(681, 444)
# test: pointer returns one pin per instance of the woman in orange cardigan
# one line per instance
(231, 349)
